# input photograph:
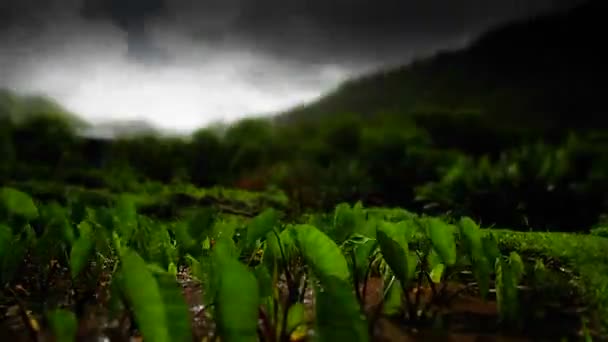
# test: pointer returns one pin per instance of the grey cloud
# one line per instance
(184, 63)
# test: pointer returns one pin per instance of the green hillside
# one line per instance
(537, 72)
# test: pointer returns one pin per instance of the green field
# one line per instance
(351, 274)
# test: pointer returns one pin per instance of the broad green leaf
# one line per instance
(261, 225)
(82, 249)
(126, 213)
(225, 247)
(395, 250)
(185, 241)
(393, 303)
(237, 300)
(490, 247)
(18, 203)
(481, 266)
(224, 229)
(264, 279)
(144, 297)
(321, 253)
(362, 255)
(63, 325)
(506, 291)
(172, 269)
(482, 271)
(338, 316)
(56, 222)
(344, 222)
(201, 224)
(437, 273)
(277, 246)
(433, 259)
(361, 223)
(408, 227)
(412, 265)
(517, 265)
(442, 238)
(203, 271)
(295, 317)
(176, 309)
(471, 236)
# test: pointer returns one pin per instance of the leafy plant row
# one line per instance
(261, 279)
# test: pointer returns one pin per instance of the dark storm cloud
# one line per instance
(313, 30)
(338, 29)
(222, 59)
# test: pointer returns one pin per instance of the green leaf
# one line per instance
(82, 249)
(63, 325)
(237, 300)
(261, 225)
(264, 281)
(393, 303)
(143, 295)
(338, 316)
(56, 222)
(276, 247)
(394, 247)
(225, 247)
(471, 236)
(18, 203)
(295, 317)
(474, 245)
(176, 309)
(437, 273)
(201, 224)
(362, 254)
(442, 238)
(490, 247)
(186, 242)
(172, 269)
(506, 291)
(344, 222)
(126, 213)
(224, 229)
(517, 265)
(203, 271)
(321, 253)
(337, 310)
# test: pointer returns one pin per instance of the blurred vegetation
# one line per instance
(433, 162)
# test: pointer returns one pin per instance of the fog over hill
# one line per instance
(179, 64)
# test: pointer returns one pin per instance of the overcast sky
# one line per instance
(180, 64)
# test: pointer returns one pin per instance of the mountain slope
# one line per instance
(547, 71)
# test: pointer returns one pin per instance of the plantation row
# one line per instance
(331, 277)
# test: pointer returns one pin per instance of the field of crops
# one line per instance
(79, 271)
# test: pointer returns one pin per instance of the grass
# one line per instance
(586, 255)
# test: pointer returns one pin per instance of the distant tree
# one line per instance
(208, 162)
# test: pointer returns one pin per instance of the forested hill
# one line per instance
(548, 70)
